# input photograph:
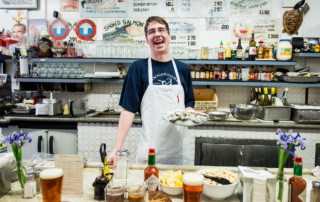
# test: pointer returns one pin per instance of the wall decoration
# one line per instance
(261, 8)
(18, 4)
(86, 29)
(19, 29)
(35, 26)
(217, 24)
(69, 5)
(103, 9)
(59, 29)
(184, 32)
(202, 8)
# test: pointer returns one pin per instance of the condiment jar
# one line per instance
(284, 50)
(122, 164)
(315, 192)
(115, 192)
(29, 186)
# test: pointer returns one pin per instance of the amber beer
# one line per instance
(51, 184)
(192, 187)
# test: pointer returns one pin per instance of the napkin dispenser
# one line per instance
(49, 107)
(256, 185)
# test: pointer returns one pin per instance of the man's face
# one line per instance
(17, 32)
(158, 38)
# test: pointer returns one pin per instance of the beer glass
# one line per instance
(192, 187)
(51, 184)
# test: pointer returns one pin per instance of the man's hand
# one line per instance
(112, 159)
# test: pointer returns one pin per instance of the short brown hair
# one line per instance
(22, 25)
(155, 19)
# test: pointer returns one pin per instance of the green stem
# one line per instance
(17, 152)
(280, 181)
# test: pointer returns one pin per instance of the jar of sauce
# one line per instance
(115, 192)
(136, 193)
(284, 50)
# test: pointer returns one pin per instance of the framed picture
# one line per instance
(35, 26)
(69, 5)
(18, 4)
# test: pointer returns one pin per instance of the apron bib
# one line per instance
(167, 138)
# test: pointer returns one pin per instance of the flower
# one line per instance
(287, 146)
(17, 141)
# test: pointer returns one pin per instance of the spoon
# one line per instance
(220, 180)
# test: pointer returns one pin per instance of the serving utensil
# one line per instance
(220, 180)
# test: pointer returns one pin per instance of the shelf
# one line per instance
(195, 82)
(254, 83)
(310, 55)
(128, 61)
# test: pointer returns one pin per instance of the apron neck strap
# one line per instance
(150, 71)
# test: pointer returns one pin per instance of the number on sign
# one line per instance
(226, 27)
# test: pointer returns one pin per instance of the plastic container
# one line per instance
(284, 50)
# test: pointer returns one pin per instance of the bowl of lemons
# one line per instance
(171, 182)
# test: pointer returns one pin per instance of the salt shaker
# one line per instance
(122, 164)
(315, 192)
(29, 186)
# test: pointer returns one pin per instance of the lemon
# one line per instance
(178, 183)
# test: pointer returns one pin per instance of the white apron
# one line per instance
(167, 138)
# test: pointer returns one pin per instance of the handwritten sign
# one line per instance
(72, 166)
(144, 8)
(184, 32)
(103, 8)
(261, 8)
(202, 8)
(217, 24)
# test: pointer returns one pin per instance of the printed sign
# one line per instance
(86, 29)
(163, 8)
(261, 8)
(59, 29)
(217, 24)
(184, 32)
(103, 8)
(202, 8)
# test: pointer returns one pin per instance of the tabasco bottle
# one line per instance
(151, 173)
(297, 185)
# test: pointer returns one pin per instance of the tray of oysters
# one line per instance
(185, 118)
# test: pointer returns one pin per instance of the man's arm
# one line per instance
(125, 122)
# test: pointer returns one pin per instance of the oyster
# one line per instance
(182, 115)
(292, 19)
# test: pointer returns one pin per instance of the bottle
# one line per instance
(234, 51)
(252, 48)
(99, 184)
(273, 96)
(151, 173)
(239, 54)
(266, 100)
(261, 97)
(211, 74)
(284, 98)
(260, 50)
(198, 73)
(221, 52)
(230, 75)
(315, 192)
(193, 71)
(224, 75)
(297, 185)
(30, 189)
(202, 72)
(246, 54)
(45, 45)
(228, 52)
(207, 72)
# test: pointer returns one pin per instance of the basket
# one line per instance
(206, 105)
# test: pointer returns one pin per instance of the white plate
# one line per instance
(186, 123)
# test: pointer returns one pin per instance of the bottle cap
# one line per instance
(228, 43)
(298, 159)
(316, 184)
(221, 43)
(152, 150)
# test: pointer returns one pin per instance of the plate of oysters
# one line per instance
(185, 118)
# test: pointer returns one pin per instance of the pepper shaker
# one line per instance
(315, 192)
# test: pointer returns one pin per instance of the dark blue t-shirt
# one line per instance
(136, 82)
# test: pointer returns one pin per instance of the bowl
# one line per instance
(218, 192)
(173, 191)
(218, 115)
(243, 111)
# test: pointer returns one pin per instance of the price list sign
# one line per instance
(141, 8)
(202, 8)
(217, 24)
(262, 8)
(266, 30)
(184, 32)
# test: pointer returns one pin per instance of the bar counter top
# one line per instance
(114, 118)
(136, 173)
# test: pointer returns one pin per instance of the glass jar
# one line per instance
(122, 164)
(115, 192)
(29, 186)
(315, 192)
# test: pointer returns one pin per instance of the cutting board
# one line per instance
(206, 94)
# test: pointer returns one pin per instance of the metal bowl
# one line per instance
(243, 111)
(218, 116)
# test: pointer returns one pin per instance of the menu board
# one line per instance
(103, 9)
(146, 8)
(184, 32)
(202, 8)
(261, 8)
(266, 30)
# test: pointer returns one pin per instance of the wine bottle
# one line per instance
(239, 54)
(252, 48)
(284, 97)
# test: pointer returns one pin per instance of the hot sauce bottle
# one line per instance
(151, 173)
(297, 185)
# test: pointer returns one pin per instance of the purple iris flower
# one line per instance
(18, 139)
(292, 140)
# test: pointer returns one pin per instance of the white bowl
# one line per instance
(173, 191)
(218, 192)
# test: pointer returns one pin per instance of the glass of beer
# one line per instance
(192, 187)
(51, 184)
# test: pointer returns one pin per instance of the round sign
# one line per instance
(86, 29)
(59, 29)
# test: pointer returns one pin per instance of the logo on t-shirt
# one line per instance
(164, 79)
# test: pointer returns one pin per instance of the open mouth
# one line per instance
(159, 42)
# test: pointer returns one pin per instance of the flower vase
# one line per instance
(281, 188)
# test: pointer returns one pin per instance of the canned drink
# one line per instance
(3, 148)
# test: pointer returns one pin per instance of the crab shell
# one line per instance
(292, 21)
